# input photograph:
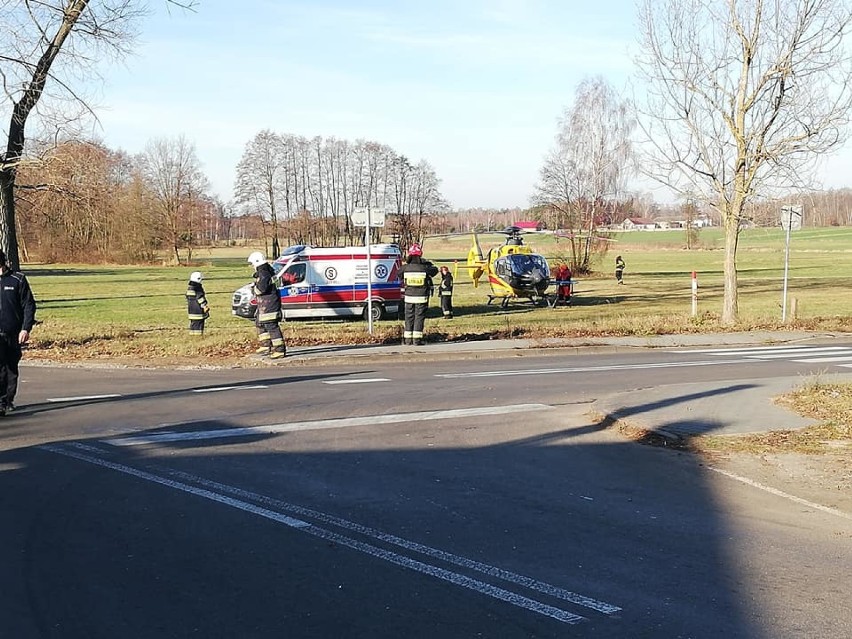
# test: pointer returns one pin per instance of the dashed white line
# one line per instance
(81, 398)
(343, 422)
(824, 360)
(218, 389)
(753, 349)
(356, 381)
(591, 369)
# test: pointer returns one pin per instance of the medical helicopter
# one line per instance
(514, 270)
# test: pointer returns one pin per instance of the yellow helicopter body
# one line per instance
(513, 269)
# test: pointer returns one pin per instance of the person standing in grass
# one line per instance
(619, 270)
(196, 304)
(17, 316)
(446, 290)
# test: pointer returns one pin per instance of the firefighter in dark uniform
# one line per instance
(197, 307)
(17, 316)
(446, 290)
(268, 316)
(416, 275)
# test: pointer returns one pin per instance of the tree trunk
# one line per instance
(729, 305)
(8, 232)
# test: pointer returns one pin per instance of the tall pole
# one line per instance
(369, 274)
(786, 265)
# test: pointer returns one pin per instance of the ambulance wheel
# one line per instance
(378, 312)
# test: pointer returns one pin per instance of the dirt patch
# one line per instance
(824, 479)
(814, 463)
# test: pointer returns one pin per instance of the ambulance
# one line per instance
(319, 283)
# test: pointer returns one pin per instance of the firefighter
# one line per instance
(197, 307)
(446, 290)
(268, 315)
(416, 274)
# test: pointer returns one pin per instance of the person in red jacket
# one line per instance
(563, 284)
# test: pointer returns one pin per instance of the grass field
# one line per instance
(139, 312)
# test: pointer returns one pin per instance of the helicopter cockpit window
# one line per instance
(522, 264)
(502, 267)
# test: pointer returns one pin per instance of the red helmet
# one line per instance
(415, 249)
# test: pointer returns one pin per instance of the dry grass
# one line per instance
(831, 403)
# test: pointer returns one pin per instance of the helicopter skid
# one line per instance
(504, 300)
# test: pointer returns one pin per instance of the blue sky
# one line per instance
(474, 87)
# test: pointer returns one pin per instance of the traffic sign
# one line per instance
(361, 214)
(791, 218)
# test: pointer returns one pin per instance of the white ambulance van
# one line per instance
(331, 282)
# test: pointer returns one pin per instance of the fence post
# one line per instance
(694, 294)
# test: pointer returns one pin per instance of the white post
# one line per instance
(369, 273)
(694, 294)
(786, 268)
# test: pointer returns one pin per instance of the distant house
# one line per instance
(529, 225)
(638, 224)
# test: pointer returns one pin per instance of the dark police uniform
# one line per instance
(17, 314)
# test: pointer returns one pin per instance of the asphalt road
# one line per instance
(466, 498)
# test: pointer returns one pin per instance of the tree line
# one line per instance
(83, 201)
(308, 187)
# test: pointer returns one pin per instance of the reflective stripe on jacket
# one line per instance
(268, 295)
(416, 279)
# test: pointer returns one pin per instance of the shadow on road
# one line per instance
(356, 533)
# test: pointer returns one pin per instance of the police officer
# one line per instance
(197, 307)
(17, 316)
(268, 308)
(446, 290)
(416, 275)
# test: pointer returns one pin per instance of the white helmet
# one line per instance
(256, 259)
(195, 276)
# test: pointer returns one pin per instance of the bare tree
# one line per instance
(590, 164)
(174, 175)
(46, 46)
(261, 180)
(743, 96)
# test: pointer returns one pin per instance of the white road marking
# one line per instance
(823, 360)
(799, 354)
(435, 553)
(781, 493)
(455, 578)
(750, 349)
(591, 369)
(343, 422)
(357, 381)
(217, 389)
(81, 398)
